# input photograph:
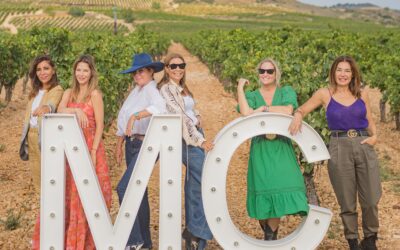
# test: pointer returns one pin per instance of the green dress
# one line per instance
(275, 185)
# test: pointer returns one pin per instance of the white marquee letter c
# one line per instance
(312, 230)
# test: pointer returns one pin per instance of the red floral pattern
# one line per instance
(77, 232)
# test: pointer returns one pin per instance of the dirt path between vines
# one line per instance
(217, 109)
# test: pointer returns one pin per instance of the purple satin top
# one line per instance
(341, 117)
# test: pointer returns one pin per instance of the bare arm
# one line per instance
(372, 139)
(288, 110)
(244, 107)
(137, 116)
(97, 101)
(98, 107)
(314, 102)
(62, 108)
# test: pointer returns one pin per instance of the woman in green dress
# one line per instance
(275, 185)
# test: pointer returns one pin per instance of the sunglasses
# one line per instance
(269, 71)
(174, 66)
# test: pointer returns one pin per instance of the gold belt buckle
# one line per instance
(270, 136)
(352, 133)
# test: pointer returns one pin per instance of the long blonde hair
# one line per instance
(276, 66)
(165, 79)
(93, 81)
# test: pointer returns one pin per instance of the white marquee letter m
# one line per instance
(61, 136)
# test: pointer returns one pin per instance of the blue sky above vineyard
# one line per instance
(393, 4)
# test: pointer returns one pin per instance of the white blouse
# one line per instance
(141, 98)
(189, 108)
(35, 104)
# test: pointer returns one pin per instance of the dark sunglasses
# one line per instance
(174, 66)
(269, 71)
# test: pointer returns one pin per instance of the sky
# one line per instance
(393, 4)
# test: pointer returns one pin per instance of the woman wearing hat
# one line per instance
(179, 100)
(133, 120)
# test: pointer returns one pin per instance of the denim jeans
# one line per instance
(195, 219)
(141, 228)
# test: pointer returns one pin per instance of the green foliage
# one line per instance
(112, 54)
(50, 11)
(76, 12)
(155, 5)
(208, 1)
(127, 15)
(305, 58)
(12, 63)
(12, 221)
(55, 42)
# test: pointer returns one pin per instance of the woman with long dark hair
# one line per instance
(43, 99)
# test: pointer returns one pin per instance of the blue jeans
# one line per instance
(141, 228)
(195, 219)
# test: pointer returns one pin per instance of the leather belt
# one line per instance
(271, 137)
(137, 136)
(351, 133)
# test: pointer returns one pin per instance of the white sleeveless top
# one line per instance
(189, 108)
(35, 104)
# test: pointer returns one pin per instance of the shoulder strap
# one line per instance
(330, 93)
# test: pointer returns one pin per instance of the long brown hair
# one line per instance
(36, 83)
(355, 82)
(165, 79)
(93, 81)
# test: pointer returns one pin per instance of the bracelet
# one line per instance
(136, 115)
(299, 111)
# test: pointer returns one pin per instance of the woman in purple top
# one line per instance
(353, 167)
